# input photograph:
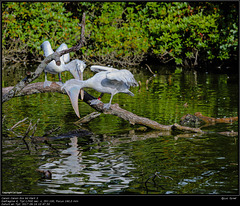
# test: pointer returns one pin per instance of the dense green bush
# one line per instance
(185, 33)
(113, 33)
(25, 25)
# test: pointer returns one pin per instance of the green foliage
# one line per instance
(114, 34)
(187, 33)
(31, 23)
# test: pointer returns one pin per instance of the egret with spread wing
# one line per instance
(107, 80)
(97, 68)
(76, 67)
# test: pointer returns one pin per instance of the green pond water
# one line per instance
(113, 157)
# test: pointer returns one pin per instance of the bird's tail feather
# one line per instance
(72, 87)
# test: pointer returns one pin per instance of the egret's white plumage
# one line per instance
(76, 67)
(97, 68)
(107, 80)
(65, 57)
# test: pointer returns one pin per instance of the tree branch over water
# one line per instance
(132, 118)
(31, 76)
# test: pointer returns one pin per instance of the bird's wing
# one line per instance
(47, 49)
(122, 75)
(97, 68)
(65, 57)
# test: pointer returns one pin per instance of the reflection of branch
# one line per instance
(51, 131)
(229, 134)
(50, 145)
(29, 152)
(147, 81)
(17, 124)
(150, 69)
(28, 130)
(34, 127)
(30, 127)
(156, 174)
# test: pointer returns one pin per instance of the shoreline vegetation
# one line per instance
(187, 34)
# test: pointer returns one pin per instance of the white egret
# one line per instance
(107, 80)
(76, 67)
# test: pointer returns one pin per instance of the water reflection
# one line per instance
(197, 165)
(116, 160)
(124, 164)
(78, 173)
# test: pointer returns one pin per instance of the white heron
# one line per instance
(76, 67)
(107, 80)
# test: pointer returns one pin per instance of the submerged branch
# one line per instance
(198, 118)
(88, 118)
(209, 120)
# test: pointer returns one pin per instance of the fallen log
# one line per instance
(179, 128)
(215, 120)
(135, 119)
(132, 118)
(198, 118)
(229, 134)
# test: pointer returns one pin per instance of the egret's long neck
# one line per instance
(76, 67)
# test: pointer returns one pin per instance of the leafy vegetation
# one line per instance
(25, 25)
(126, 33)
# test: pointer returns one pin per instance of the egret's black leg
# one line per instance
(60, 80)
